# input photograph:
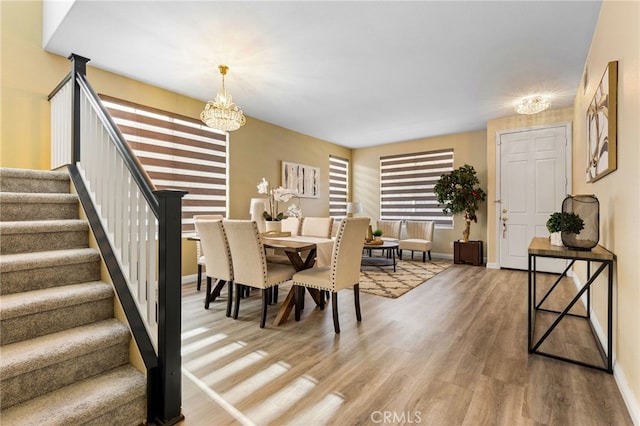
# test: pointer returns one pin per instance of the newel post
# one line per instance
(169, 396)
(78, 67)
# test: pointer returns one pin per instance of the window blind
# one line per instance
(177, 152)
(338, 186)
(406, 186)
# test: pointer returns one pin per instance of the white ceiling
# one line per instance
(353, 73)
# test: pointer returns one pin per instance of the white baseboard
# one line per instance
(493, 265)
(633, 405)
(188, 279)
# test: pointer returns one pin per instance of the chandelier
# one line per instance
(222, 113)
(532, 104)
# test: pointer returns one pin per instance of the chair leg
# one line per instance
(229, 297)
(298, 297)
(266, 295)
(356, 300)
(400, 254)
(199, 277)
(429, 254)
(334, 305)
(424, 256)
(207, 296)
(236, 308)
(274, 296)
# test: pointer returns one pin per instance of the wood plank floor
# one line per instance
(451, 352)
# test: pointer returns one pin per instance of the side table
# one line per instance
(540, 247)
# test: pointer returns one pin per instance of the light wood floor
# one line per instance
(451, 352)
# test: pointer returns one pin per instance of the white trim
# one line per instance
(568, 185)
(188, 279)
(493, 265)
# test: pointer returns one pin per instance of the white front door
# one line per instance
(533, 182)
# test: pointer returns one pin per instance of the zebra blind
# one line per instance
(177, 152)
(406, 186)
(338, 186)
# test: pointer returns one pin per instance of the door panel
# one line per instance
(533, 183)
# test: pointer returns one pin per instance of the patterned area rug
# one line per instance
(382, 281)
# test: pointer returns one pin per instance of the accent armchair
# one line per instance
(419, 237)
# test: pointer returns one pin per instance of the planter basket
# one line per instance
(588, 208)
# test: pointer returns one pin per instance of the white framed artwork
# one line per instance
(302, 179)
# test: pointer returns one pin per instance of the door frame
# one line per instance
(497, 203)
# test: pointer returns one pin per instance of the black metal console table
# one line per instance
(540, 247)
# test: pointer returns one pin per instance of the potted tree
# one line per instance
(567, 222)
(460, 192)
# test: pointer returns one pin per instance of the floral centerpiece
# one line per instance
(275, 196)
(460, 192)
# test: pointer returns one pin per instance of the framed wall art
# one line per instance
(602, 149)
(305, 180)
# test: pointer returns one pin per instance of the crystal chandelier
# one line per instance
(532, 104)
(222, 113)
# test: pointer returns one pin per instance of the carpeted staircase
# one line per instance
(64, 358)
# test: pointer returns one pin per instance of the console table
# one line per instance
(540, 247)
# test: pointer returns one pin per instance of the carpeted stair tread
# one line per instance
(40, 352)
(82, 401)
(22, 180)
(37, 198)
(48, 299)
(6, 172)
(43, 259)
(42, 226)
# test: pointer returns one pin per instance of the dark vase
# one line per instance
(588, 208)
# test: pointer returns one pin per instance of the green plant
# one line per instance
(565, 222)
(377, 233)
(460, 192)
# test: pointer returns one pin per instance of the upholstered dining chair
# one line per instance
(316, 227)
(344, 270)
(218, 260)
(199, 252)
(419, 238)
(291, 224)
(250, 263)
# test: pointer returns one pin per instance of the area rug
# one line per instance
(382, 281)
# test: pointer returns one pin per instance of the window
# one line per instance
(177, 152)
(338, 186)
(406, 186)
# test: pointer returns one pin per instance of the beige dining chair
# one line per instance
(316, 227)
(344, 271)
(199, 252)
(250, 263)
(291, 224)
(419, 238)
(218, 264)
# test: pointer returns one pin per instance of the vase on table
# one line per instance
(273, 226)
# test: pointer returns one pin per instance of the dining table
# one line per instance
(303, 252)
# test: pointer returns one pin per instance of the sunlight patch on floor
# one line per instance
(281, 401)
(255, 382)
(233, 367)
(195, 332)
(213, 356)
(226, 406)
(192, 347)
(321, 413)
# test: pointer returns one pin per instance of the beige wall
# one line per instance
(508, 123)
(617, 38)
(468, 148)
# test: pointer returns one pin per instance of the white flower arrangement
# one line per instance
(275, 196)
